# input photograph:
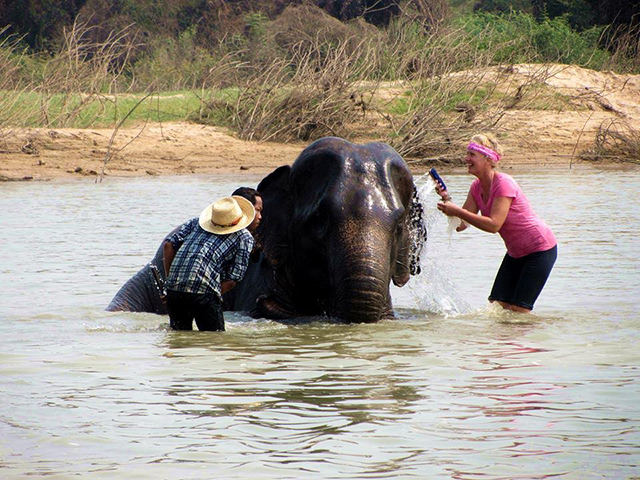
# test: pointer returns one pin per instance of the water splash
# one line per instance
(433, 289)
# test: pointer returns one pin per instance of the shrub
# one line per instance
(174, 64)
(615, 140)
(306, 96)
(518, 37)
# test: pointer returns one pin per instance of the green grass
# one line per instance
(34, 109)
(537, 97)
(398, 106)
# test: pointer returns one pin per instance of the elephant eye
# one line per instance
(318, 222)
(400, 218)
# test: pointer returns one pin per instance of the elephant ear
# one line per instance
(273, 231)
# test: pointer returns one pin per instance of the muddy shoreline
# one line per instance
(189, 149)
(531, 138)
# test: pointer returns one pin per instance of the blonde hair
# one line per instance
(489, 141)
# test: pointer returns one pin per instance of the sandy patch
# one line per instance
(167, 149)
(538, 137)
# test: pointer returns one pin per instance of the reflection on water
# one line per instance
(452, 388)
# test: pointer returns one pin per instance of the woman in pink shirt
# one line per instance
(531, 246)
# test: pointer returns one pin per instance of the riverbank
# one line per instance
(531, 137)
(156, 149)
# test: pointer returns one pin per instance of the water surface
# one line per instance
(452, 388)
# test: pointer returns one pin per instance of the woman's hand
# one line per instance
(450, 209)
(443, 193)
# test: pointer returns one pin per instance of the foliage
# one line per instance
(173, 64)
(306, 96)
(580, 14)
(518, 37)
(503, 6)
(285, 72)
(39, 23)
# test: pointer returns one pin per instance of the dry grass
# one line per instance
(81, 74)
(329, 85)
(291, 82)
(617, 141)
(77, 81)
(624, 43)
(11, 88)
(451, 93)
(307, 96)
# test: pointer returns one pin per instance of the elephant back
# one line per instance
(141, 292)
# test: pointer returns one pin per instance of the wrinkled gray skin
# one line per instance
(140, 293)
(334, 234)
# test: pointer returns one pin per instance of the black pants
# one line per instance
(205, 309)
(520, 280)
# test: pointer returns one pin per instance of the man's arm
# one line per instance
(169, 254)
(173, 243)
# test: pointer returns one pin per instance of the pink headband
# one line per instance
(494, 156)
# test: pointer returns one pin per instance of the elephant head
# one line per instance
(336, 231)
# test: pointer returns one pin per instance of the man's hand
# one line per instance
(226, 285)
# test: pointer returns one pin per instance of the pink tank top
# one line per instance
(523, 231)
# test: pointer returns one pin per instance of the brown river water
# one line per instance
(451, 388)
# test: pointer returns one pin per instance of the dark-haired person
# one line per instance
(255, 198)
(531, 245)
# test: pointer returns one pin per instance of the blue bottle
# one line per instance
(434, 174)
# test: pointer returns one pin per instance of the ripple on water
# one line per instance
(452, 388)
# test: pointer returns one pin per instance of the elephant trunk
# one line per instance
(362, 295)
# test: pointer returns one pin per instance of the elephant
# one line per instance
(338, 226)
(144, 291)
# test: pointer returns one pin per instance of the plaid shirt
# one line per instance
(203, 259)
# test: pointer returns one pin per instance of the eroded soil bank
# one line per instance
(531, 138)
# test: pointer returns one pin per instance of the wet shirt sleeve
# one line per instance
(506, 187)
(238, 267)
(177, 239)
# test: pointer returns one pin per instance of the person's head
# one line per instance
(483, 148)
(227, 215)
(255, 198)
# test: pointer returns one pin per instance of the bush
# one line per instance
(616, 140)
(518, 37)
(174, 64)
(555, 41)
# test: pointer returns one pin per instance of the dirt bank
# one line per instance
(530, 136)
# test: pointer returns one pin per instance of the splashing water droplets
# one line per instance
(433, 289)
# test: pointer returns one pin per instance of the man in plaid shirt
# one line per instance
(205, 259)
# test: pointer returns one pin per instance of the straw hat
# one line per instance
(227, 215)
